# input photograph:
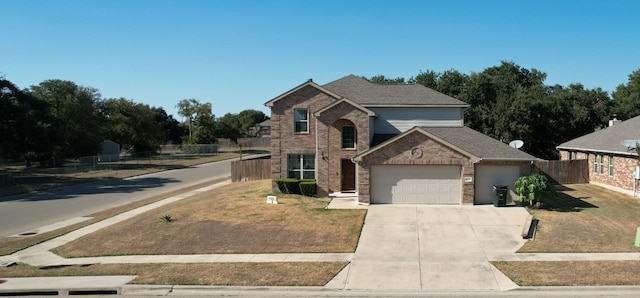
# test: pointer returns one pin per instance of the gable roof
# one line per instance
(464, 139)
(309, 82)
(347, 101)
(477, 143)
(607, 140)
(366, 93)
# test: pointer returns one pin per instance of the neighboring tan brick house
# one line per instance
(387, 143)
(612, 163)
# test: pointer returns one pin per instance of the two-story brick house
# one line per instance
(612, 163)
(388, 143)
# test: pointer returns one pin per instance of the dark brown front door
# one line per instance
(348, 175)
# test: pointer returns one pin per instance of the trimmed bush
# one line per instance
(289, 185)
(308, 187)
(280, 184)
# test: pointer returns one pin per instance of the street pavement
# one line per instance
(68, 205)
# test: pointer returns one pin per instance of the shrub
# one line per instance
(280, 184)
(308, 187)
(289, 185)
(533, 188)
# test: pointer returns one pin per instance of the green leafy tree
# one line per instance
(229, 127)
(427, 78)
(205, 125)
(135, 126)
(626, 98)
(188, 108)
(380, 79)
(200, 121)
(24, 124)
(452, 83)
(249, 118)
(76, 128)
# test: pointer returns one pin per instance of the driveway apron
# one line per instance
(416, 247)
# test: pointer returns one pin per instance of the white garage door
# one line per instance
(489, 175)
(415, 184)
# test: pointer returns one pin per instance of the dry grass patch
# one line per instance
(231, 219)
(229, 274)
(9, 245)
(571, 273)
(586, 218)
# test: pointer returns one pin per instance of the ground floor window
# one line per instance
(301, 166)
(595, 163)
(610, 165)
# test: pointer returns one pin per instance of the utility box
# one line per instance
(500, 193)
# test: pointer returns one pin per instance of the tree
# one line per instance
(380, 79)
(76, 129)
(428, 79)
(452, 83)
(135, 126)
(229, 127)
(24, 124)
(626, 98)
(200, 121)
(249, 118)
(188, 108)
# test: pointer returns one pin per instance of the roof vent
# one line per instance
(614, 121)
(309, 80)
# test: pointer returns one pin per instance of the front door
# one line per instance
(348, 175)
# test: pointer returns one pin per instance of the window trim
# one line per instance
(296, 120)
(301, 170)
(611, 165)
(342, 139)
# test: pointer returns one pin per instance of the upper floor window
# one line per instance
(610, 165)
(302, 120)
(348, 137)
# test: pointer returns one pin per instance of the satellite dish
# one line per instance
(630, 144)
(516, 144)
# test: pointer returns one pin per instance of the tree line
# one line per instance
(59, 119)
(509, 102)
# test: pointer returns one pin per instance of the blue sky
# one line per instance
(239, 54)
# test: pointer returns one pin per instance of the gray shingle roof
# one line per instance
(478, 144)
(608, 140)
(369, 94)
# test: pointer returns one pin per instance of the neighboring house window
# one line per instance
(601, 164)
(610, 165)
(301, 166)
(595, 163)
(348, 137)
(302, 120)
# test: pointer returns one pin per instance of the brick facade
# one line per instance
(599, 173)
(400, 152)
(284, 139)
(330, 125)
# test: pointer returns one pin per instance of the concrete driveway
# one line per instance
(436, 248)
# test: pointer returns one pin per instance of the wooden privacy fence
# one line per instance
(563, 171)
(251, 169)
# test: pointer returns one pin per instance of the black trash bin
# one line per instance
(500, 195)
